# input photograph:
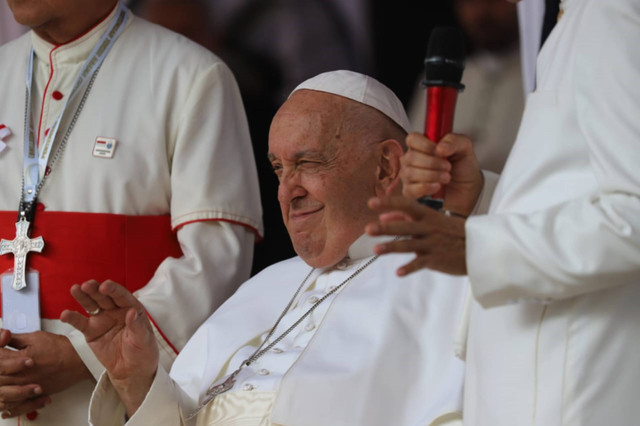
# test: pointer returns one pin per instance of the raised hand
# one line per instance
(427, 166)
(119, 333)
(437, 240)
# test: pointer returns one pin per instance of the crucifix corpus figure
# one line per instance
(20, 246)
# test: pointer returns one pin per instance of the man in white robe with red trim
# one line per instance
(154, 186)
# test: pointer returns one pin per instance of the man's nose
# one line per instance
(290, 187)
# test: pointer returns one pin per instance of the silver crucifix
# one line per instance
(20, 246)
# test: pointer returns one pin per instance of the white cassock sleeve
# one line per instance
(160, 407)
(584, 244)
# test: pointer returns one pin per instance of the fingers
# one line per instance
(393, 216)
(83, 298)
(411, 267)
(454, 145)
(416, 190)
(119, 295)
(5, 337)
(451, 144)
(423, 171)
(10, 410)
(76, 320)
(99, 298)
(135, 320)
(420, 143)
(15, 364)
(411, 208)
(11, 395)
(106, 296)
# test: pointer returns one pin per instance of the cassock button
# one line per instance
(57, 95)
(309, 327)
(248, 387)
(263, 372)
(32, 415)
(40, 207)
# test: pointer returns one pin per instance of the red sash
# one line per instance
(83, 246)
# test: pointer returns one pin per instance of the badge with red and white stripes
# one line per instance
(104, 147)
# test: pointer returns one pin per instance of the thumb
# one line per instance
(136, 320)
(452, 144)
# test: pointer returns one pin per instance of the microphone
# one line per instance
(444, 65)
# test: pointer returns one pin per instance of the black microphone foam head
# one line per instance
(444, 63)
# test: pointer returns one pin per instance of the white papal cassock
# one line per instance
(183, 166)
(555, 268)
(377, 352)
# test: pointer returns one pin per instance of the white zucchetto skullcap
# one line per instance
(360, 88)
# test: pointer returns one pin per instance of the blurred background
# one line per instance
(272, 45)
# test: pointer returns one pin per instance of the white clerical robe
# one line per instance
(183, 150)
(555, 266)
(377, 352)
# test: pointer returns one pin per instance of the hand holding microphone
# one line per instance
(444, 66)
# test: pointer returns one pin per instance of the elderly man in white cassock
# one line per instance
(136, 165)
(331, 337)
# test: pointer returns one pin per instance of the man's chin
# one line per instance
(319, 258)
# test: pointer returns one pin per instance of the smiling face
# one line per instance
(327, 167)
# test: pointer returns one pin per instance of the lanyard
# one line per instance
(35, 160)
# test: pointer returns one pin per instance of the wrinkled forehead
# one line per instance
(309, 119)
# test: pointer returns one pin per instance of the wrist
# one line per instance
(132, 391)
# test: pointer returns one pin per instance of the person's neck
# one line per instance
(61, 32)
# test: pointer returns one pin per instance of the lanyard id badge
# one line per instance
(21, 309)
(20, 286)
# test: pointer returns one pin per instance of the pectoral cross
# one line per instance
(20, 246)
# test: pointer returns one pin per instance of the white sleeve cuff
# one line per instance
(159, 408)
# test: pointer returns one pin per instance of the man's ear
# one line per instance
(388, 154)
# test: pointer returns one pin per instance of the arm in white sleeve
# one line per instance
(184, 292)
(215, 207)
(159, 408)
(589, 243)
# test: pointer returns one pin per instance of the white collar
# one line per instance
(363, 248)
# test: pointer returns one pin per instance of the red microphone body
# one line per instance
(441, 105)
(444, 65)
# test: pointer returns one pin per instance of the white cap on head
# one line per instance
(360, 88)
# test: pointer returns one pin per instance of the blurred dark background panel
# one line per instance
(400, 34)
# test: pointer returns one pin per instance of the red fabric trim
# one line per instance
(83, 246)
(234, 222)
(162, 334)
(44, 94)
